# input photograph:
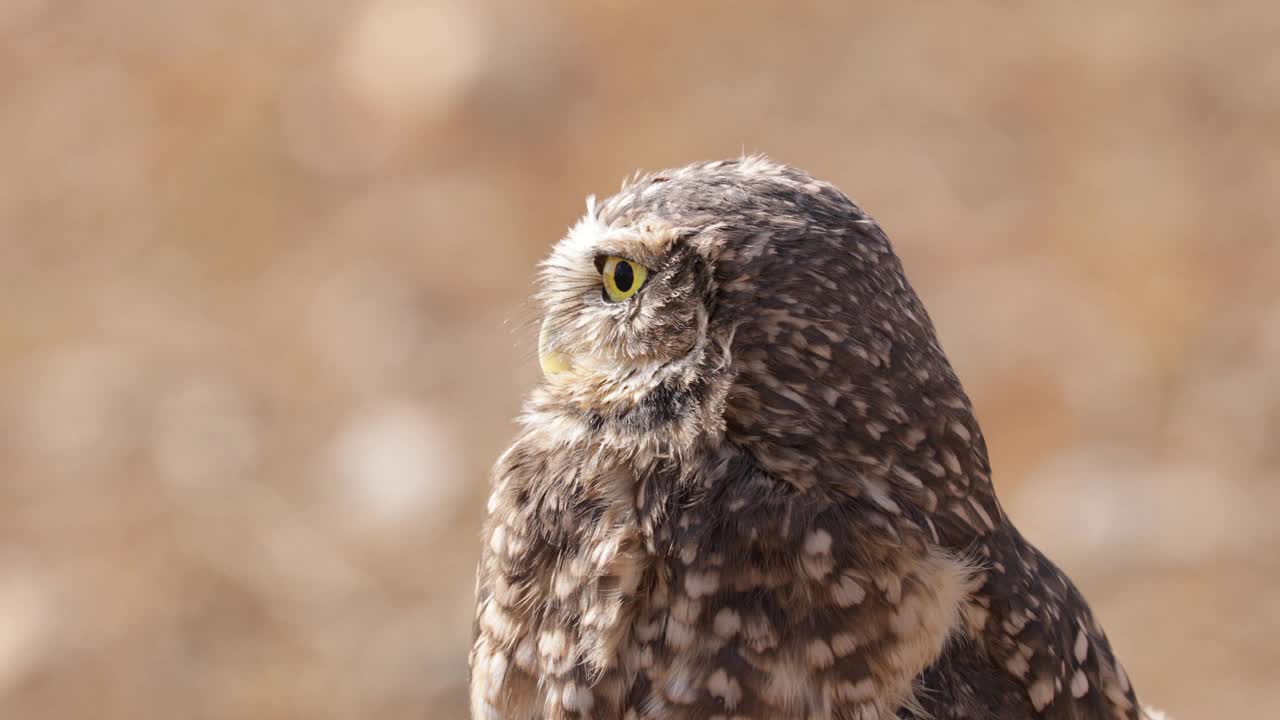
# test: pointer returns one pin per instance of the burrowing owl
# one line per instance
(751, 486)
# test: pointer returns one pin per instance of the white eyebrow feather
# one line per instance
(588, 233)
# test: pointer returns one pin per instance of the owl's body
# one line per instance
(752, 487)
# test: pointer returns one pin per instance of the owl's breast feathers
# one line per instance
(615, 585)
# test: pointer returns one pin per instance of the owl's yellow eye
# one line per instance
(622, 278)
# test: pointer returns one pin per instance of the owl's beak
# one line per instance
(552, 361)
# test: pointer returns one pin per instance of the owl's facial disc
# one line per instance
(624, 316)
(620, 280)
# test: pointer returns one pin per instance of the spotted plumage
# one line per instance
(754, 489)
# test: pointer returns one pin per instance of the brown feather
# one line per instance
(759, 490)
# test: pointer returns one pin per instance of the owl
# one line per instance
(751, 487)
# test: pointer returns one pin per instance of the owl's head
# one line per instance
(740, 300)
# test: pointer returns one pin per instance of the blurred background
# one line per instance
(263, 270)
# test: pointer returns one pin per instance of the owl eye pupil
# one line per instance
(623, 276)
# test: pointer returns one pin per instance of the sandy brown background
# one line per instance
(263, 267)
